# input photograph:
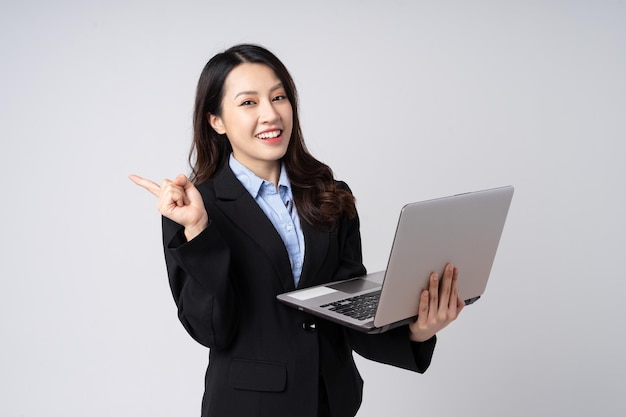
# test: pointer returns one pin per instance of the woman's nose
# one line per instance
(268, 112)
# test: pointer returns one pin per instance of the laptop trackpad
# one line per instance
(354, 285)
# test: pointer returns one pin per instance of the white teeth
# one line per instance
(268, 135)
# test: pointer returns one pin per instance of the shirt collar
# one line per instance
(252, 182)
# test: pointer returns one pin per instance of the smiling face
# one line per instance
(257, 118)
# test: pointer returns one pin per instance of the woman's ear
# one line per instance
(216, 123)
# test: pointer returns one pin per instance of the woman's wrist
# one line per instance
(194, 230)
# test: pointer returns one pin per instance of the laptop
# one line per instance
(462, 229)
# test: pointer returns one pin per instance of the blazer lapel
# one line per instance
(316, 244)
(238, 205)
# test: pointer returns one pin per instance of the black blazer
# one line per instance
(267, 359)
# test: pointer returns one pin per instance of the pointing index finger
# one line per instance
(151, 186)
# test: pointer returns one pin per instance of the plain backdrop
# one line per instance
(405, 100)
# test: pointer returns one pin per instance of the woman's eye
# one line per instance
(279, 98)
(247, 103)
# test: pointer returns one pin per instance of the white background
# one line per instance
(406, 100)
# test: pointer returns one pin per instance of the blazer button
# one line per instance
(308, 326)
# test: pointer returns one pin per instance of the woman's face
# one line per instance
(256, 117)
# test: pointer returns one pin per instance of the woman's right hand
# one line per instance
(179, 201)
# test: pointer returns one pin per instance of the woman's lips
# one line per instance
(272, 136)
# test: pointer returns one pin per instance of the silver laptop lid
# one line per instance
(464, 229)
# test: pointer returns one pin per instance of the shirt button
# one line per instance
(289, 227)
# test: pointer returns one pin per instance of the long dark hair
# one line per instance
(317, 198)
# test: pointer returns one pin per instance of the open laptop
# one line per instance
(463, 229)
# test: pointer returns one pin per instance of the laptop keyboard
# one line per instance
(361, 307)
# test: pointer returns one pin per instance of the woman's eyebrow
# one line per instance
(252, 92)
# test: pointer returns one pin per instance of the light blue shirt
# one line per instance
(279, 209)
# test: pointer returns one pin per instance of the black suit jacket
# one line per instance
(267, 359)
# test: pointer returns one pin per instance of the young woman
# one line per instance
(260, 216)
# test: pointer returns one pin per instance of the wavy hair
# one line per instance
(318, 199)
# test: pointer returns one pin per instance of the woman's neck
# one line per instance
(266, 170)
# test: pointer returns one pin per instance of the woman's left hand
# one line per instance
(439, 305)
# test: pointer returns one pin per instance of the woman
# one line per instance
(260, 216)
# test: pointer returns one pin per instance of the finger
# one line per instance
(433, 292)
(422, 311)
(172, 195)
(460, 304)
(454, 293)
(190, 189)
(185, 184)
(446, 287)
(192, 194)
(181, 180)
(146, 183)
(455, 303)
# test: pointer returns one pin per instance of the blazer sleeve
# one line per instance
(198, 272)
(394, 346)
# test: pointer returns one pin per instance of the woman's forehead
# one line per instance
(251, 77)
